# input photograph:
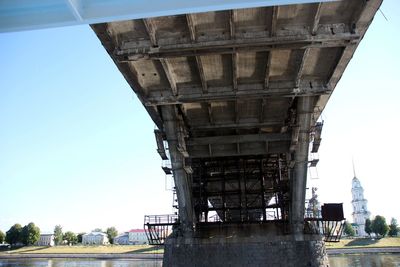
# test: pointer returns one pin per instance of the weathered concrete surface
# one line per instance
(245, 245)
(237, 93)
(232, 85)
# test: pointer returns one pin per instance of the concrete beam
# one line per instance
(237, 125)
(190, 23)
(232, 19)
(130, 51)
(267, 70)
(228, 93)
(317, 17)
(301, 67)
(232, 139)
(274, 20)
(150, 28)
(170, 76)
(234, 72)
(245, 150)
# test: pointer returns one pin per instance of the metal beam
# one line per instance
(232, 95)
(18, 15)
(253, 151)
(131, 51)
(234, 125)
(232, 139)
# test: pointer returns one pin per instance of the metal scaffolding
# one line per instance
(246, 189)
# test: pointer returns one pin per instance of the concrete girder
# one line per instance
(134, 50)
(228, 94)
(174, 128)
(230, 139)
(305, 109)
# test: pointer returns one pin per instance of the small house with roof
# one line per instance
(95, 238)
(45, 240)
(138, 236)
(122, 239)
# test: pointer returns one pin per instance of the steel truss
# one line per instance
(245, 189)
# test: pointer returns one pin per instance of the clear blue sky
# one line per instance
(77, 147)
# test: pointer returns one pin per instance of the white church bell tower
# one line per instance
(360, 210)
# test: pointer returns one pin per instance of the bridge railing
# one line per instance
(159, 227)
(329, 223)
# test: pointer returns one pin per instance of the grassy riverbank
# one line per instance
(365, 243)
(86, 250)
(387, 242)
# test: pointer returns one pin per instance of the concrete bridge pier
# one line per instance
(261, 243)
(305, 108)
(174, 131)
(245, 245)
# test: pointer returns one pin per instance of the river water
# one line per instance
(357, 260)
(78, 263)
(365, 260)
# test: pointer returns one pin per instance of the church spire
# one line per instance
(354, 169)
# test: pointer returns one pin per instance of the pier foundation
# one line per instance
(244, 245)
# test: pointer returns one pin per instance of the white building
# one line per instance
(138, 236)
(360, 210)
(95, 238)
(122, 239)
(45, 240)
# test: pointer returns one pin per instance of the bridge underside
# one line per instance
(236, 95)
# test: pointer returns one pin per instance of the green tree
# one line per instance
(71, 238)
(348, 229)
(379, 226)
(393, 227)
(2, 237)
(368, 227)
(13, 235)
(79, 236)
(30, 234)
(58, 235)
(111, 233)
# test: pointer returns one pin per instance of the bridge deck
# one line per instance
(241, 85)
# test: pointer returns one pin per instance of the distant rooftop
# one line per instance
(137, 231)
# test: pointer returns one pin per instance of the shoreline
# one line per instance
(159, 256)
(362, 250)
